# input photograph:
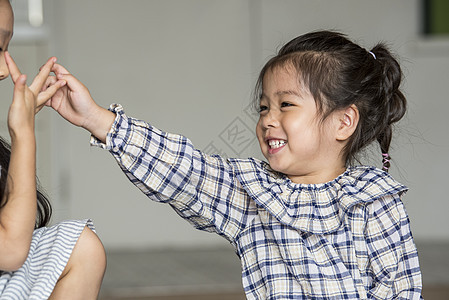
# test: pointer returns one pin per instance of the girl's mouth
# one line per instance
(276, 144)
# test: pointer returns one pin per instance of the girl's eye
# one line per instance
(286, 104)
(262, 108)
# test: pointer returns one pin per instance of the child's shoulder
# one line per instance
(368, 180)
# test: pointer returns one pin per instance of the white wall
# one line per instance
(189, 67)
(183, 65)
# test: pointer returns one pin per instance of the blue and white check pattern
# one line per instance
(346, 239)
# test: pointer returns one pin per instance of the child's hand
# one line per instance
(25, 102)
(75, 104)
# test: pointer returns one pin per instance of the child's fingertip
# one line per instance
(21, 80)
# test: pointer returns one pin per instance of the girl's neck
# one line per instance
(318, 177)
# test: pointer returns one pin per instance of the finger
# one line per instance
(13, 69)
(19, 88)
(44, 96)
(50, 81)
(42, 76)
(38, 108)
(58, 69)
(72, 83)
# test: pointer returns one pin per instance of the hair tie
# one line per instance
(374, 55)
(386, 161)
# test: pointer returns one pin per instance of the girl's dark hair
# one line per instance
(339, 73)
(44, 210)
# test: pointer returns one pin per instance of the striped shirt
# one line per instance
(50, 250)
(346, 239)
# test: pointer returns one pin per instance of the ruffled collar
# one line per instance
(313, 208)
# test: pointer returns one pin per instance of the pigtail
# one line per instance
(393, 103)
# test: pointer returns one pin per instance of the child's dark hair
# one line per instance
(340, 73)
(44, 210)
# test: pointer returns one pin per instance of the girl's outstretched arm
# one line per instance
(167, 168)
(75, 104)
(19, 201)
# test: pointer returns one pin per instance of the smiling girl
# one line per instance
(308, 223)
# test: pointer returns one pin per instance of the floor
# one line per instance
(173, 274)
(215, 274)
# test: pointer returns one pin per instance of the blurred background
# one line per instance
(189, 67)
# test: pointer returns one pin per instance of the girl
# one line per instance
(307, 223)
(65, 261)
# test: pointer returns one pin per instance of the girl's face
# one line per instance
(6, 30)
(291, 135)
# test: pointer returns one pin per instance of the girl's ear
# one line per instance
(349, 118)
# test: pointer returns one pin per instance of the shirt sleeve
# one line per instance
(166, 168)
(393, 256)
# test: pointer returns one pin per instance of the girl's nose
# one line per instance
(270, 120)
(4, 71)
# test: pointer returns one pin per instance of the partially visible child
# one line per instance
(64, 261)
(308, 223)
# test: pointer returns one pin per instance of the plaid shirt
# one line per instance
(346, 239)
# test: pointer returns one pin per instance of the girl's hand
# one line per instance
(21, 112)
(75, 104)
(25, 102)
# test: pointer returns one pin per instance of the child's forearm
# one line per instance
(18, 215)
(100, 123)
(19, 199)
